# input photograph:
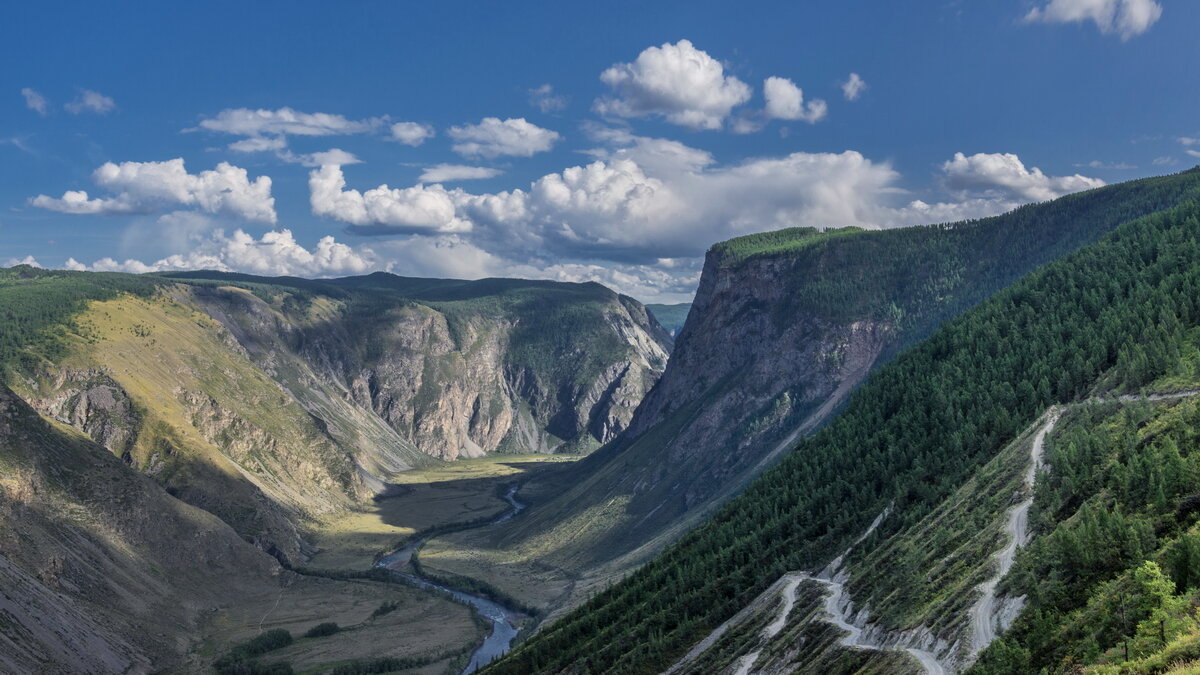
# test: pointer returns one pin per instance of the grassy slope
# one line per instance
(108, 551)
(729, 558)
(163, 353)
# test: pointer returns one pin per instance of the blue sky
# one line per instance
(608, 141)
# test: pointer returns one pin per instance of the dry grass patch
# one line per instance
(423, 624)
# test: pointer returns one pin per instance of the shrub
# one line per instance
(322, 629)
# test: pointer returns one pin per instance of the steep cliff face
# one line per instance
(743, 382)
(94, 403)
(782, 367)
(464, 368)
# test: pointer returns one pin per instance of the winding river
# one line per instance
(503, 619)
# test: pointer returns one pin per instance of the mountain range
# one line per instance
(814, 466)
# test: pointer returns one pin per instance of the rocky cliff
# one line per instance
(462, 368)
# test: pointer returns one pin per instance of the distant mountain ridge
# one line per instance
(672, 317)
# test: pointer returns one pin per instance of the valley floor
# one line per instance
(465, 491)
(423, 626)
(379, 620)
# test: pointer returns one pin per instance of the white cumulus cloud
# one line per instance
(785, 101)
(677, 81)
(1004, 174)
(1126, 18)
(853, 87)
(267, 130)
(494, 137)
(144, 187)
(447, 173)
(420, 208)
(27, 260)
(91, 101)
(411, 133)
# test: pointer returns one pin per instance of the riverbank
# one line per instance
(506, 620)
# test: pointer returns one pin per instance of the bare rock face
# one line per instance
(742, 382)
(786, 363)
(463, 382)
(449, 402)
(94, 403)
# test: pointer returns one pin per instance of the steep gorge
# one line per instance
(271, 403)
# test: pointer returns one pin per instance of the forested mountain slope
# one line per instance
(783, 327)
(911, 436)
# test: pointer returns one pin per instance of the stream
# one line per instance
(502, 618)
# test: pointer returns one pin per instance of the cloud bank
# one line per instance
(146, 187)
(277, 253)
(642, 200)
